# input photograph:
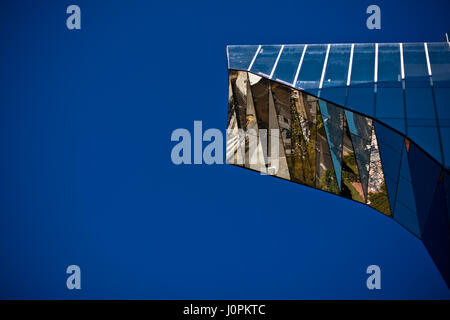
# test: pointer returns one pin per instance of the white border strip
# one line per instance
(428, 58)
(402, 67)
(276, 62)
(299, 65)
(254, 58)
(350, 65)
(324, 67)
(375, 73)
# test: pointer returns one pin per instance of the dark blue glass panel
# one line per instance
(436, 235)
(363, 64)
(398, 124)
(333, 122)
(405, 172)
(288, 63)
(419, 103)
(415, 62)
(312, 91)
(240, 57)
(362, 99)
(361, 95)
(334, 95)
(406, 218)
(405, 207)
(311, 69)
(424, 176)
(405, 195)
(442, 96)
(447, 192)
(425, 134)
(389, 69)
(389, 138)
(265, 59)
(390, 105)
(445, 136)
(439, 54)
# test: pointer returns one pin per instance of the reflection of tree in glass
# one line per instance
(302, 160)
(379, 200)
(350, 174)
(328, 182)
(326, 177)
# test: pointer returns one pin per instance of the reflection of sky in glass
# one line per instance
(288, 63)
(312, 66)
(265, 59)
(439, 54)
(389, 68)
(363, 63)
(337, 65)
(332, 119)
(415, 62)
(239, 57)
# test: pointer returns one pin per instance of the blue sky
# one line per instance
(86, 118)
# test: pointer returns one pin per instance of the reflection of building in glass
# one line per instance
(370, 122)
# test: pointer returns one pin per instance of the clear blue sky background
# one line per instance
(86, 176)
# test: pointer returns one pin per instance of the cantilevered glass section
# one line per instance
(368, 122)
(405, 86)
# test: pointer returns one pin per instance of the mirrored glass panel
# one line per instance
(240, 57)
(288, 63)
(260, 93)
(282, 102)
(361, 132)
(361, 94)
(335, 80)
(239, 85)
(389, 69)
(362, 99)
(237, 104)
(442, 96)
(333, 119)
(303, 138)
(377, 196)
(363, 64)
(325, 175)
(351, 186)
(390, 107)
(425, 134)
(439, 54)
(265, 59)
(311, 69)
(337, 66)
(416, 72)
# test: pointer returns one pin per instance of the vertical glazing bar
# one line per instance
(299, 65)
(276, 61)
(375, 73)
(254, 58)
(402, 66)
(428, 58)
(324, 66)
(350, 65)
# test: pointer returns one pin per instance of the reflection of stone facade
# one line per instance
(376, 177)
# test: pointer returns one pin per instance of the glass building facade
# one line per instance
(369, 122)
